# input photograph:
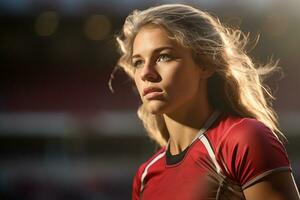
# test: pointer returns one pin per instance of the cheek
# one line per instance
(183, 78)
(185, 83)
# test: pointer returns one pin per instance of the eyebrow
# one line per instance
(154, 51)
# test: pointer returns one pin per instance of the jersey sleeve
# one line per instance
(136, 184)
(251, 151)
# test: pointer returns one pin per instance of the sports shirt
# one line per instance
(228, 155)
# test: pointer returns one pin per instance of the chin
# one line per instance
(155, 111)
(156, 108)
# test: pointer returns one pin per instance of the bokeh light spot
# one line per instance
(97, 27)
(46, 23)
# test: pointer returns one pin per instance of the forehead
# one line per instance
(151, 37)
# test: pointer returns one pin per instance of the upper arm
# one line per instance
(277, 186)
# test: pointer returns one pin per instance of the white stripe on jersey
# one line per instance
(210, 152)
(201, 132)
(159, 156)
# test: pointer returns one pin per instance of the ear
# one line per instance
(206, 72)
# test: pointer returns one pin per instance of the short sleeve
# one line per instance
(136, 184)
(251, 151)
(135, 187)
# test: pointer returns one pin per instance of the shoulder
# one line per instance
(249, 132)
(158, 155)
(249, 126)
(232, 129)
(247, 136)
(142, 171)
(248, 149)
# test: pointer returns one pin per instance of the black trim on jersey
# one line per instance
(174, 159)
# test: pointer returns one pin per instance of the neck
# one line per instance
(184, 125)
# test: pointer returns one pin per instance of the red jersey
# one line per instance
(228, 155)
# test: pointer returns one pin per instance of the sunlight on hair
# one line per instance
(240, 79)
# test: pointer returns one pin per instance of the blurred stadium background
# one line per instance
(63, 134)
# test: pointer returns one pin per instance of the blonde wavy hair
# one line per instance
(236, 86)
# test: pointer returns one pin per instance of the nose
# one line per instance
(149, 73)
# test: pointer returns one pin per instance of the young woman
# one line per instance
(204, 103)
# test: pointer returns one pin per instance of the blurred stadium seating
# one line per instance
(64, 134)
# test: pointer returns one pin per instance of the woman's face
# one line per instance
(166, 76)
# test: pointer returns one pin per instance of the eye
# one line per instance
(137, 63)
(164, 58)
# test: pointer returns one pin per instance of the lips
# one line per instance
(151, 90)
